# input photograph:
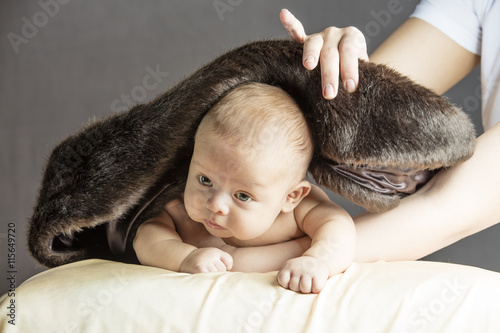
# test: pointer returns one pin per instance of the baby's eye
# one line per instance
(204, 180)
(243, 197)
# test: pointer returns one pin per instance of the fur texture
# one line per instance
(113, 173)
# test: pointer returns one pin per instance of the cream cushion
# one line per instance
(105, 296)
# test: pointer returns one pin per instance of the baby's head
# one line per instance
(252, 151)
(262, 120)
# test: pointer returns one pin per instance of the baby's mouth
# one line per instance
(213, 225)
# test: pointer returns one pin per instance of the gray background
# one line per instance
(83, 56)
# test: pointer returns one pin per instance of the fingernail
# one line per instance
(329, 92)
(309, 60)
(350, 86)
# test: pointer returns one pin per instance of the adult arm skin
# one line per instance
(457, 202)
(422, 52)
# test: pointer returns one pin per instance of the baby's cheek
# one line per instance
(244, 229)
(193, 202)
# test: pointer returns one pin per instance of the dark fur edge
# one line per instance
(363, 197)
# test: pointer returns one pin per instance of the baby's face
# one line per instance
(231, 193)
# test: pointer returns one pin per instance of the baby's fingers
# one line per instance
(227, 260)
(318, 283)
(298, 283)
(205, 260)
(303, 274)
(216, 266)
(221, 263)
(283, 278)
(301, 284)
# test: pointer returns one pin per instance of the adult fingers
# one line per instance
(312, 51)
(351, 47)
(329, 60)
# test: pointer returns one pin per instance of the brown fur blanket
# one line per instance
(373, 146)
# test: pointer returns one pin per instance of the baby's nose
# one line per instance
(217, 204)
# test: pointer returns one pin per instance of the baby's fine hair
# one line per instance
(257, 117)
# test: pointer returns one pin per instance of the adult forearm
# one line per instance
(456, 203)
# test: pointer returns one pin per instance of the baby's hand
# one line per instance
(207, 259)
(303, 274)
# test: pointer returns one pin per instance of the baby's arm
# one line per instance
(266, 258)
(332, 249)
(158, 244)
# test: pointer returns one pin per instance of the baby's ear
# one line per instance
(295, 196)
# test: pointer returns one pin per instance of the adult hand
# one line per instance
(337, 49)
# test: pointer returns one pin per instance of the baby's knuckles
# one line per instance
(204, 260)
(304, 274)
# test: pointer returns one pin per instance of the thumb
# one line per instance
(293, 26)
(227, 260)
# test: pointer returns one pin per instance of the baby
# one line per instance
(246, 205)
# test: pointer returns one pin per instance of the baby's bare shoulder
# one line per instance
(173, 204)
(177, 211)
(315, 197)
(319, 202)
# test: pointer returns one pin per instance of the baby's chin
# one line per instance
(233, 241)
(236, 242)
(226, 234)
